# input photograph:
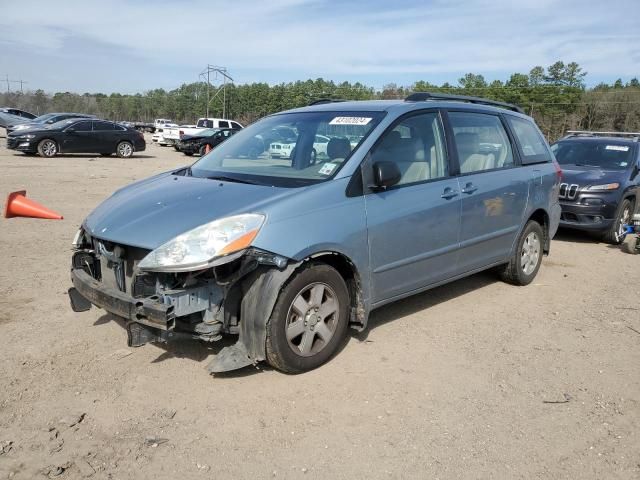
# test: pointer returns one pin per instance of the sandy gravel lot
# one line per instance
(455, 383)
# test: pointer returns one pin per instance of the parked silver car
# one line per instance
(288, 253)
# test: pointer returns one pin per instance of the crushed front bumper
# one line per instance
(141, 310)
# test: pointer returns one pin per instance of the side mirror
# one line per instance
(385, 174)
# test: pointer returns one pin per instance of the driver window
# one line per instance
(416, 145)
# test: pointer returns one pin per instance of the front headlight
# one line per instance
(606, 186)
(198, 248)
(26, 137)
(19, 127)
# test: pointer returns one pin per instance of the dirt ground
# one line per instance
(476, 379)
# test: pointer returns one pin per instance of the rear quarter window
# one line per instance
(532, 145)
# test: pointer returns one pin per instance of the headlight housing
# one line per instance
(606, 186)
(26, 137)
(20, 127)
(198, 248)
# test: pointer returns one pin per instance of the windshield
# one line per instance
(605, 155)
(291, 149)
(61, 124)
(43, 118)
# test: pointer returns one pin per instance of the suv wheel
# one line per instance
(47, 148)
(527, 258)
(309, 321)
(615, 233)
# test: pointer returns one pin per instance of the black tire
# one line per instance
(280, 351)
(630, 244)
(188, 154)
(513, 272)
(623, 216)
(47, 148)
(124, 149)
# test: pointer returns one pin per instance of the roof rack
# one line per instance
(324, 100)
(424, 96)
(635, 136)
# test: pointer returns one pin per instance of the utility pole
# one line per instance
(9, 82)
(217, 71)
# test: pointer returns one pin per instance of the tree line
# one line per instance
(556, 96)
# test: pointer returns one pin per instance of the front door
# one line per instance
(413, 226)
(494, 189)
(78, 137)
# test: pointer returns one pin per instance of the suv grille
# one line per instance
(568, 191)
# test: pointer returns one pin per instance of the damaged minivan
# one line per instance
(286, 253)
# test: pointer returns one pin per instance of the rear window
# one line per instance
(589, 153)
(205, 123)
(533, 147)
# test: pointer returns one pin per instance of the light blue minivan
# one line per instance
(287, 252)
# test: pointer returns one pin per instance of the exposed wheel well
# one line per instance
(542, 218)
(349, 273)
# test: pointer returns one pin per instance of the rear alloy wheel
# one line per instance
(124, 150)
(47, 148)
(615, 234)
(309, 321)
(527, 258)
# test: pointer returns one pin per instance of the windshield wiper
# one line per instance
(222, 178)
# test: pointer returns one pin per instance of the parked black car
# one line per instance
(190, 144)
(78, 136)
(601, 181)
(46, 119)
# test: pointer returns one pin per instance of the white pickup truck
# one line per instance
(174, 134)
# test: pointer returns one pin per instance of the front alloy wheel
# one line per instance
(309, 321)
(47, 148)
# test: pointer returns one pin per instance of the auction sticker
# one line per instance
(617, 148)
(327, 168)
(350, 121)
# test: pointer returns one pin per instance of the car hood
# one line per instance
(583, 176)
(151, 212)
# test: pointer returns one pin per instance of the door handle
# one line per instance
(449, 193)
(469, 188)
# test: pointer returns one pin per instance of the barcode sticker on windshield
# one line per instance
(327, 168)
(617, 148)
(350, 121)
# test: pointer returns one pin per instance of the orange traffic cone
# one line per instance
(18, 205)
(207, 149)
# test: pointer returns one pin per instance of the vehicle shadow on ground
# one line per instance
(575, 236)
(425, 300)
(199, 351)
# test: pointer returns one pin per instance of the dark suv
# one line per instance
(601, 181)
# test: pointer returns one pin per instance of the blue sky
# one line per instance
(133, 45)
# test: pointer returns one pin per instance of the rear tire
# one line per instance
(630, 244)
(527, 258)
(188, 154)
(613, 236)
(124, 150)
(47, 148)
(309, 321)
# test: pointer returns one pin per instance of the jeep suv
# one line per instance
(601, 181)
(287, 253)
